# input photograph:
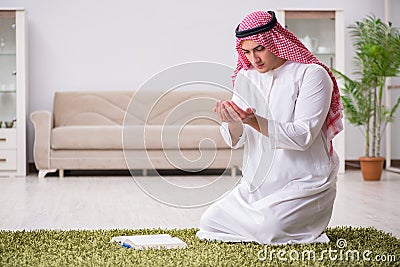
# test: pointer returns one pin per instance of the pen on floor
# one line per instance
(126, 245)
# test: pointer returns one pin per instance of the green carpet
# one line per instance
(348, 247)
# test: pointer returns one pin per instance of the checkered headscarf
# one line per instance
(282, 43)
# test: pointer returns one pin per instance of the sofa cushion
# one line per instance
(137, 137)
(86, 137)
(173, 137)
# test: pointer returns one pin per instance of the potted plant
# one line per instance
(377, 48)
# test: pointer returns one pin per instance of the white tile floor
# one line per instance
(117, 202)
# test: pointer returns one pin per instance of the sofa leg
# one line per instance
(61, 173)
(43, 173)
(233, 172)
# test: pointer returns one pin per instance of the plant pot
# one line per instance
(371, 168)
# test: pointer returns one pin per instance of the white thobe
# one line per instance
(288, 186)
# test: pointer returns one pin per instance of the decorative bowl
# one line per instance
(9, 124)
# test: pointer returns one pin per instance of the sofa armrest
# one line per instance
(43, 123)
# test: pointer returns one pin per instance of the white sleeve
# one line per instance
(227, 136)
(311, 108)
(239, 82)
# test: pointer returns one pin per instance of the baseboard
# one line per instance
(349, 165)
(167, 172)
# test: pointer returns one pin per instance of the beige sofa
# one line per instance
(117, 130)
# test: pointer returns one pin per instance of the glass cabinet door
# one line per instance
(316, 30)
(13, 92)
(7, 69)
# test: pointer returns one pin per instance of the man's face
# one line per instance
(259, 56)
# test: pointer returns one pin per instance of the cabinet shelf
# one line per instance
(6, 92)
(324, 54)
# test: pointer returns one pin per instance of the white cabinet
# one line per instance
(13, 92)
(323, 32)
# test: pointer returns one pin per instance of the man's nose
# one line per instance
(255, 58)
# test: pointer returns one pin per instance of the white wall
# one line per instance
(117, 45)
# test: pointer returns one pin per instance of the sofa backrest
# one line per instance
(137, 108)
(90, 107)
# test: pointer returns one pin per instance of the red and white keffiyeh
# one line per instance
(282, 43)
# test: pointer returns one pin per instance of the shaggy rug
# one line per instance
(348, 247)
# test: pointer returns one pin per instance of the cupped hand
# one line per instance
(246, 116)
(226, 113)
(231, 113)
